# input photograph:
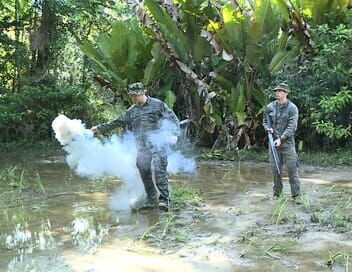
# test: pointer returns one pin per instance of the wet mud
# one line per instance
(229, 222)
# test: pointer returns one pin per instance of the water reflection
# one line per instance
(86, 234)
(20, 237)
(82, 222)
(22, 241)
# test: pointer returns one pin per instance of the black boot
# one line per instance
(164, 204)
(151, 203)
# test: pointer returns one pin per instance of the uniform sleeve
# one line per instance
(267, 123)
(169, 115)
(291, 122)
(121, 121)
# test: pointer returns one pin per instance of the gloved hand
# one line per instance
(277, 142)
(270, 130)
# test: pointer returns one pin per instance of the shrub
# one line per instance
(28, 114)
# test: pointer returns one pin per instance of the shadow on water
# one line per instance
(71, 228)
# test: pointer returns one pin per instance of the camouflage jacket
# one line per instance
(283, 119)
(144, 120)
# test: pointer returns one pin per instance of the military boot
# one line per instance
(164, 204)
(151, 203)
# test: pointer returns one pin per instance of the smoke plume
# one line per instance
(91, 157)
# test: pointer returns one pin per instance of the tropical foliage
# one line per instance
(322, 84)
(42, 71)
(214, 62)
(216, 59)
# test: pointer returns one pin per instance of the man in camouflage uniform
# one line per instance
(283, 116)
(144, 118)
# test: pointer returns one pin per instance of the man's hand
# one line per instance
(173, 139)
(270, 130)
(94, 129)
(277, 142)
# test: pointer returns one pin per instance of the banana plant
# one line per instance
(247, 45)
(322, 11)
(127, 55)
(223, 59)
(183, 47)
(208, 55)
(187, 50)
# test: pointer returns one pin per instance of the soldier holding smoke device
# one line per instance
(143, 119)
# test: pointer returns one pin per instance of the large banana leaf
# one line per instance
(224, 83)
(235, 25)
(104, 46)
(101, 67)
(238, 98)
(119, 35)
(263, 28)
(318, 11)
(283, 56)
(201, 49)
(155, 66)
(122, 56)
(234, 99)
(281, 9)
(192, 16)
(259, 96)
(170, 99)
(170, 30)
(264, 20)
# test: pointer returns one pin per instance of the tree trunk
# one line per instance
(44, 38)
(17, 71)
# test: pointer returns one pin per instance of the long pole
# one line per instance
(272, 147)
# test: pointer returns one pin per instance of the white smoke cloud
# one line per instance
(162, 139)
(179, 163)
(90, 157)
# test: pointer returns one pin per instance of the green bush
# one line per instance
(320, 84)
(28, 114)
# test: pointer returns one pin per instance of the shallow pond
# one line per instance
(70, 227)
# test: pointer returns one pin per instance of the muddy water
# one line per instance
(71, 227)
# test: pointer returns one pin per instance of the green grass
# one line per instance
(306, 201)
(149, 233)
(338, 257)
(171, 224)
(160, 230)
(275, 248)
(267, 249)
(232, 155)
(16, 178)
(334, 209)
(26, 145)
(185, 196)
(336, 158)
(280, 212)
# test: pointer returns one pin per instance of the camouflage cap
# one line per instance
(136, 88)
(282, 86)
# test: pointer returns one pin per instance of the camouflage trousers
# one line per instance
(288, 156)
(153, 163)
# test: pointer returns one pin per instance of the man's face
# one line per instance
(280, 94)
(137, 98)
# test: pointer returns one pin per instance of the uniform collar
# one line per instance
(284, 105)
(148, 100)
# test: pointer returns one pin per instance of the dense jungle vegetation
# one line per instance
(214, 62)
